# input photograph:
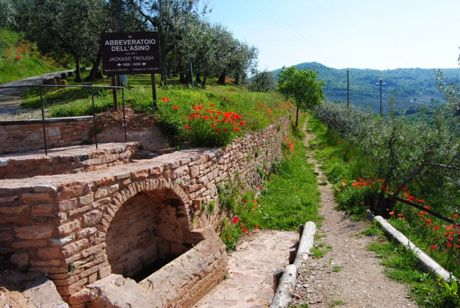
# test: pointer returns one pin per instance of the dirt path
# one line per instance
(251, 269)
(348, 275)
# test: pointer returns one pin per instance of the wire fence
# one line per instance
(41, 88)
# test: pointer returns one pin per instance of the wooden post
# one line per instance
(114, 92)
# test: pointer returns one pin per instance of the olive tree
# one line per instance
(302, 86)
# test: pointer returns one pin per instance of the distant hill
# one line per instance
(414, 88)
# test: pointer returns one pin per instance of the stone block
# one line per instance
(92, 218)
(34, 232)
(49, 253)
(69, 227)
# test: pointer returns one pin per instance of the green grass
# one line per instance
(20, 58)
(343, 163)
(401, 265)
(176, 103)
(288, 199)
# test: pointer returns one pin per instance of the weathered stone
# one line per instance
(69, 227)
(34, 232)
(92, 218)
(20, 259)
(72, 248)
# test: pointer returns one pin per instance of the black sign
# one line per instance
(130, 53)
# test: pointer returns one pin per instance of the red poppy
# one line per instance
(205, 117)
(212, 104)
(187, 126)
(455, 215)
(434, 247)
(242, 123)
(435, 228)
(236, 128)
(164, 99)
(245, 230)
(226, 130)
(391, 213)
(175, 107)
(235, 220)
(427, 207)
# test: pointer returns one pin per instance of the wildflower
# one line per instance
(236, 128)
(187, 126)
(244, 229)
(391, 213)
(165, 99)
(344, 184)
(242, 123)
(205, 117)
(434, 247)
(175, 107)
(245, 201)
(428, 221)
(254, 201)
(212, 104)
(226, 130)
(449, 244)
(235, 220)
(455, 215)
(427, 207)
(436, 228)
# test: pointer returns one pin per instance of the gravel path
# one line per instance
(251, 267)
(348, 275)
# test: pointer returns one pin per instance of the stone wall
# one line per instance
(21, 136)
(59, 224)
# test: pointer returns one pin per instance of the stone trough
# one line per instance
(133, 227)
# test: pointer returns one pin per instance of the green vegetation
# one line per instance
(201, 117)
(288, 199)
(320, 251)
(401, 265)
(415, 89)
(20, 59)
(302, 87)
(344, 161)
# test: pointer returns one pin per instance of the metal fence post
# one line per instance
(124, 114)
(94, 117)
(43, 119)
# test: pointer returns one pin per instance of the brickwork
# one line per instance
(61, 224)
(21, 136)
(68, 160)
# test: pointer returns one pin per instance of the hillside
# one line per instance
(414, 88)
(20, 58)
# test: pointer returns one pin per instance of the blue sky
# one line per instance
(383, 34)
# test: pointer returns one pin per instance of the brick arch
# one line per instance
(147, 226)
(146, 185)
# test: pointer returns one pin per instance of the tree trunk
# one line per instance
(297, 117)
(198, 78)
(164, 75)
(77, 69)
(203, 82)
(95, 73)
(221, 79)
(237, 78)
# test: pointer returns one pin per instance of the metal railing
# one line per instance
(92, 87)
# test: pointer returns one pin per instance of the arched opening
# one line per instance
(148, 231)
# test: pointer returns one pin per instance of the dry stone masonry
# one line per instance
(100, 231)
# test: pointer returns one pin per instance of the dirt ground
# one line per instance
(348, 275)
(251, 267)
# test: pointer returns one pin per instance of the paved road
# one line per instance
(11, 98)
